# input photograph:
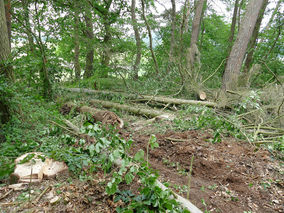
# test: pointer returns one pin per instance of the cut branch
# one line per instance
(135, 110)
(147, 97)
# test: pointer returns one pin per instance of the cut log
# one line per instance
(104, 116)
(135, 110)
(35, 169)
(161, 99)
(186, 204)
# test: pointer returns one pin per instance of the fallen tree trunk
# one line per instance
(147, 97)
(104, 116)
(135, 110)
(183, 202)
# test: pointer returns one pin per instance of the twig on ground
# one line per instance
(177, 140)
(189, 176)
(63, 127)
(5, 195)
(41, 194)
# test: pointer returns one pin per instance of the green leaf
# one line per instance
(129, 177)
(98, 147)
(139, 156)
(91, 149)
(111, 188)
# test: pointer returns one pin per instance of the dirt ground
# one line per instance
(229, 176)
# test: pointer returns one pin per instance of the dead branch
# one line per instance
(146, 97)
(5, 195)
(41, 194)
(138, 111)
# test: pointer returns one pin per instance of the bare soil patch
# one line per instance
(230, 176)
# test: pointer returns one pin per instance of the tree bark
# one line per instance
(5, 49)
(185, 17)
(90, 47)
(135, 110)
(234, 64)
(253, 42)
(193, 52)
(106, 47)
(150, 37)
(138, 40)
(233, 28)
(8, 19)
(4, 56)
(196, 22)
(44, 75)
(160, 99)
(239, 13)
(76, 41)
(173, 29)
(104, 116)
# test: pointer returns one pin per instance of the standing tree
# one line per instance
(150, 37)
(108, 12)
(235, 60)
(233, 27)
(90, 42)
(5, 49)
(193, 55)
(8, 18)
(138, 40)
(173, 29)
(26, 20)
(193, 51)
(5, 70)
(253, 42)
(76, 39)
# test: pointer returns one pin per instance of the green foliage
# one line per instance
(103, 154)
(204, 117)
(26, 130)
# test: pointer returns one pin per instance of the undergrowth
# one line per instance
(30, 130)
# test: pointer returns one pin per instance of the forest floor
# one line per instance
(228, 176)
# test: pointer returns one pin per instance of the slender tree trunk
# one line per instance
(271, 18)
(239, 13)
(202, 29)
(196, 22)
(90, 47)
(233, 28)
(138, 40)
(106, 51)
(4, 56)
(173, 29)
(25, 5)
(5, 49)
(47, 87)
(8, 18)
(76, 41)
(253, 42)
(234, 64)
(184, 24)
(193, 53)
(279, 31)
(150, 37)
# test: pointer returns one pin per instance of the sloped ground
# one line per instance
(229, 176)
